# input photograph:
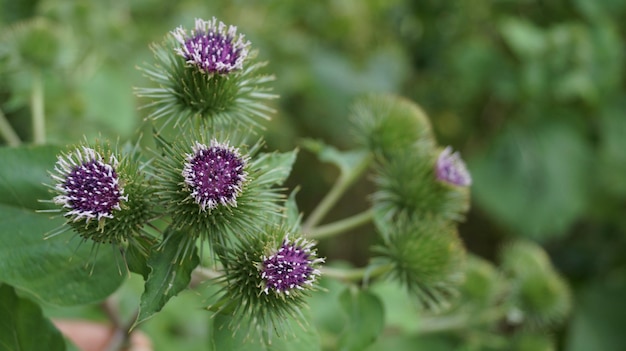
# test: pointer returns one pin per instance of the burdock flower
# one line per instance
(292, 266)
(268, 275)
(207, 76)
(451, 169)
(103, 195)
(214, 174)
(215, 188)
(212, 47)
(88, 185)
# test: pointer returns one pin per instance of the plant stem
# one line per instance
(8, 133)
(356, 274)
(37, 110)
(460, 321)
(346, 178)
(122, 331)
(341, 225)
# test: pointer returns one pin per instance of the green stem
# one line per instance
(355, 274)
(341, 225)
(344, 181)
(37, 110)
(8, 133)
(461, 321)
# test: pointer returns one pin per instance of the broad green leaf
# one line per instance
(279, 164)
(23, 326)
(106, 86)
(344, 160)
(401, 312)
(170, 273)
(365, 319)
(61, 270)
(22, 175)
(598, 323)
(293, 215)
(298, 337)
(137, 262)
(529, 176)
(524, 38)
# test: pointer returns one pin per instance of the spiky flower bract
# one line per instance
(192, 85)
(407, 185)
(540, 292)
(215, 187)
(385, 124)
(451, 169)
(259, 282)
(103, 194)
(426, 257)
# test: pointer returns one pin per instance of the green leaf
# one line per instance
(365, 319)
(107, 85)
(599, 318)
(58, 270)
(299, 337)
(529, 175)
(345, 160)
(279, 164)
(22, 175)
(23, 326)
(293, 215)
(137, 262)
(170, 273)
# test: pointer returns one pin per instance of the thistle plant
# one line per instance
(207, 201)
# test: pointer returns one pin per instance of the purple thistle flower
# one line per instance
(451, 169)
(211, 47)
(89, 187)
(215, 174)
(291, 267)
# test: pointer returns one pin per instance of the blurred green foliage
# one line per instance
(531, 91)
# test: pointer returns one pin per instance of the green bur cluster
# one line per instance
(170, 224)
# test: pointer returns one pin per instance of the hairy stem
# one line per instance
(7, 132)
(341, 226)
(460, 321)
(356, 274)
(345, 180)
(122, 331)
(37, 110)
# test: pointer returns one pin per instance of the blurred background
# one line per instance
(532, 92)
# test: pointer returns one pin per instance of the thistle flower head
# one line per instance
(103, 194)
(427, 257)
(212, 47)
(214, 174)
(292, 266)
(268, 275)
(217, 187)
(207, 75)
(88, 185)
(450, 168)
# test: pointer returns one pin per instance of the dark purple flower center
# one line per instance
(215, 175)
(212, 52)
(92, 190)
(212, 46)
(289, 268)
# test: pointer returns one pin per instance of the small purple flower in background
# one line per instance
(451, 169)
(89, 187)
(211, 47)
(291, 267)
(215, 174)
